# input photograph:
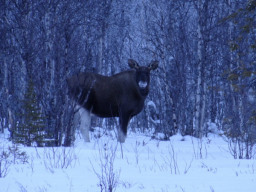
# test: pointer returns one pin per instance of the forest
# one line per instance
(207, 65)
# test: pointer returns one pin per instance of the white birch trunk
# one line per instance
(101, 54)
(168, 92)
(200, 100)
(23, 78)
(5, 82)
(197, 124)
(50, 62)
(202, 120)
(241, 113)
(52, 80)
(232, 59)
(198, 103)
(174, 117)
(10, 121)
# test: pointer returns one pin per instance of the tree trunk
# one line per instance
(197, 123)
(200, 88)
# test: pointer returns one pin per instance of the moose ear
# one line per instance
(153, 65)
(133, 64)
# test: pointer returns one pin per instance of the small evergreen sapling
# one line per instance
(31, 130)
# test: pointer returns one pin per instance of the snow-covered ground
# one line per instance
(183, 164)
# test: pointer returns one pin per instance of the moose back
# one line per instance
(121, 95)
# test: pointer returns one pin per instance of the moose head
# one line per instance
(143, 74)
(121, 95)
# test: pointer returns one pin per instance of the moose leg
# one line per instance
(85, 123)
(122, 130)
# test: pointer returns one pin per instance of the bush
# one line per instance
(9, 156)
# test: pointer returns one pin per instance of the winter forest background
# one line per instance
(207, 70)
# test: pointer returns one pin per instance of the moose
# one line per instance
(121, 95)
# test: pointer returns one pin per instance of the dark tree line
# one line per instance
(206, 51)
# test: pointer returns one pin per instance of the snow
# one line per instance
(183, 164)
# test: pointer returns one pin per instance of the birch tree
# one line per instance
(201, 8)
